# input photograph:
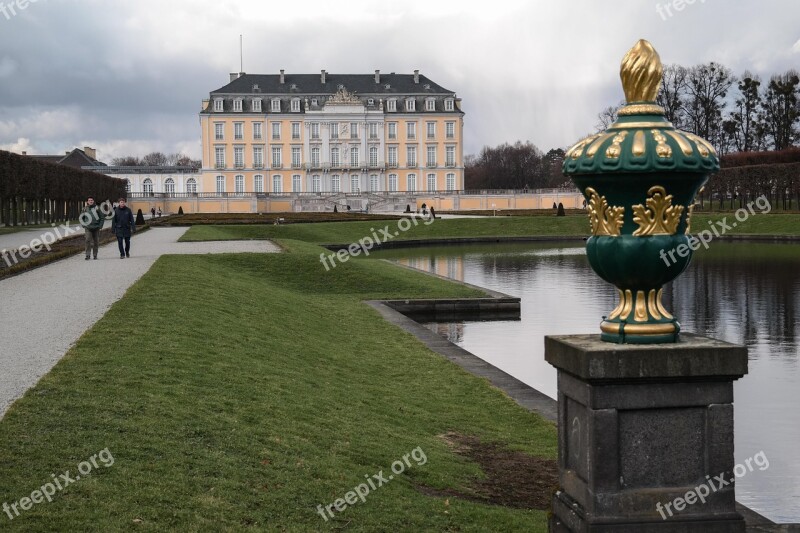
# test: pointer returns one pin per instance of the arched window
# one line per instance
(355, 183)
(336, 183)
(431, 182)
(315, 157)
(128, 186)
(220, 184)
(392, 182)
(296, 183)
(169, 186)
(315, 183)
(258, 182)
(451, 181)
(373, 156)
(147, 186)
(373, 182)
(411, 183)
(238, 184)
(191, 186)
(277, 183)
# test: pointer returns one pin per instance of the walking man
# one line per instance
(92, 220)
(152, 212)
(123, 225)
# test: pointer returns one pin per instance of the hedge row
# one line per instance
(734, 187)
(36, 192)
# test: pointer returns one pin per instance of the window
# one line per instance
(431, 182)
(354, 130)
(411, 130)
(169, 186)
(276, 130)
(258, 157)
(219, 131)
(335, 161)
(238, 156)
(315, 183)
(336, 183)
(238, 184)
(218, 105)
(296, 159)
(257, 131)
(448, 105)
(128, 186)
(315, 157)
(450, 130)
(295, 130)
(334, 130)
(220, 184)
(430, 104)
(237, 105)
(370, 101)
(256, 105)
(431, 128)
(450, 156)
(275, 105)
(373, 130)
(373, 182)
(238, 131)
(393, 156)
(314, 101)
(277, 183)
(451, 182)
(411, 104)
(393, 130)
(391, 105)
(276, 157)
(258, 183)
(219, 156)
(315, 130)
(373, 156)
(147, 186)
(411, 156)
(295, 105)
(296, 183)
(191, 186)
(392, 182)
(411, 181)
(354, 162)
(355, 185)
(431, 159)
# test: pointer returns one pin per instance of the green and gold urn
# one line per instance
(640, 179)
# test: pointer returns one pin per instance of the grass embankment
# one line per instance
(569, 226)
(241, 391)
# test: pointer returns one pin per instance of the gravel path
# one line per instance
(41, 311)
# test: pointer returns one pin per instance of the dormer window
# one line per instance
(237, 105)
(275, 105)
(218, 105)
(411, 105)
(391, 104)
(448, 104)
(430, 104)
(313, 101)
(370, 101)
(257, 105)
(295, 105)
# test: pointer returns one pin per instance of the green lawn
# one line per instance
(575, 225)
(241, 391)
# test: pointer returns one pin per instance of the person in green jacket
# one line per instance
(92, 220)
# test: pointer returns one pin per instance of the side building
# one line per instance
(331, 133)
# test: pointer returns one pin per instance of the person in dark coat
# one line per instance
(92, 220)
(124, 225)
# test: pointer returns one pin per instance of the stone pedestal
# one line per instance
(642, 429)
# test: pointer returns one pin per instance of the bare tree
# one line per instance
(707, 86)
(154, 159)
(672, 95)
(781, 107)
(607, 117)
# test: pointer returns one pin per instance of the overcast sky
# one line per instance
(127, 77)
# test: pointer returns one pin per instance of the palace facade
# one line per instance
(331, 133)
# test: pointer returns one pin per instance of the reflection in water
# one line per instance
(746, 293)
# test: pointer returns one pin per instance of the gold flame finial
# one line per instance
(641, 72)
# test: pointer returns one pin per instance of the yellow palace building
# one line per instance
(331, 133)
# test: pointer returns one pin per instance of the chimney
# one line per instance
(416, 76)
(282, 77)
(91, 152)
(234, 75)
(67, 152)
(377, 76)
(322, 76)
(24, 152)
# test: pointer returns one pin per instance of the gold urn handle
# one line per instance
(641, 72)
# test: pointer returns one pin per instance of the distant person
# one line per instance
(152, 212)
(159, 212)
(123, 225)
(92, 220)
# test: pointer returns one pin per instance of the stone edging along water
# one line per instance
(498, 306)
